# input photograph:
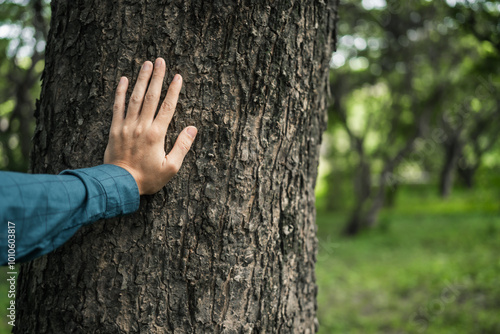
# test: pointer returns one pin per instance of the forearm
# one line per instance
(47, 210)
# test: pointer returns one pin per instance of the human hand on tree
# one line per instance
(137, 139)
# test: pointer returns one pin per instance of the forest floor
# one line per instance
(432, 266)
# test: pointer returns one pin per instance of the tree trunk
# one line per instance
(391, 193)
(355, 223)
(365, 213)
(362, 191)
(452, 153)
(467, 175)
(368, 206)
(229, 245)
(377, 203)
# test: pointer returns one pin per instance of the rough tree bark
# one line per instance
(229, 245)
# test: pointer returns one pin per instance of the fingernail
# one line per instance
(177, 77)
(122, 81)
(158, 62)
(146, 66)
(192, 131)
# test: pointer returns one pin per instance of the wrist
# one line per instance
(133, 173)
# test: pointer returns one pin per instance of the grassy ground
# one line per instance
(432, 266)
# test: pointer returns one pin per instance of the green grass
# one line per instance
(432, 266)
(4, 300)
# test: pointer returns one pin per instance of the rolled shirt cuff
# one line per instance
(116, 183)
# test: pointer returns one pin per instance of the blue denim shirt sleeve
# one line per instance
(46, 210)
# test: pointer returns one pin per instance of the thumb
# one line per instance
(182, 146)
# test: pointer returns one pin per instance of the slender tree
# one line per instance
(229, 245)
(396, 112)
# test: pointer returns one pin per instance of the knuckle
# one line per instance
(135, 99)
(138, 131)
(121, 90)
(114, 133)
(125, 130)
(185, 144)
(158, 74)
(153, 135)
(158, 131)
(150, 97)
(167, 105)
(117, 107)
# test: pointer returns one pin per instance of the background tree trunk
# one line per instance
(453, 149)
(362, 192)
(229, 245)
(467, 173)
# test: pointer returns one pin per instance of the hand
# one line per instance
(137, 139)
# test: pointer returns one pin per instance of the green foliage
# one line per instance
(409, 80)
(433, 268)
(23, 29)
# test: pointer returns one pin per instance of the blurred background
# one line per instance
(408, 192)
